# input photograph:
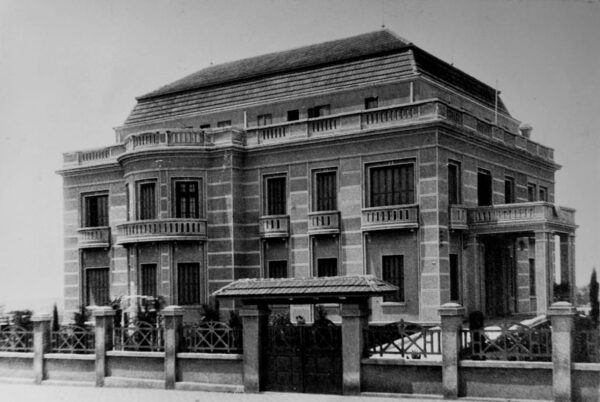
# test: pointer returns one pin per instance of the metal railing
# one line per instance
(141, 336)
(402, 338)
(16, 339)
(586, 346)
(507, 341)
(211, 337)
(73, 339)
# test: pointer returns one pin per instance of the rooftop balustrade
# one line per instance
(337, 124)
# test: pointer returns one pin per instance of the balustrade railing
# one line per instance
(507, 341)
(324, 222)
(274, 226)
(391, 217)
(458, 217)
(531, 211)
(141, 336)
(272, 133)
(73, 339)
(163, 229)
(324, 124)
(402, 338)
(94, 237)
(211, 337)
(14, 338)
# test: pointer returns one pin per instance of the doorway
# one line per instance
(500, 277)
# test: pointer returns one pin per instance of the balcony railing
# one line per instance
(161, 230)
(97, 237)
(274, 226)
(521, 213)
(327, 222)
(396, 217)
(458, 217)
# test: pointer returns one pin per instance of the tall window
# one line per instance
(393, 272)
(148, 279)
(509, 190)
(327, 267)
(484, 187)
(454, 278)
(97, 286)
(371, 102)
(188, 283)
(275, 196)
(392, 185)
(325, 191)
(187, 199)
(531, 192)
(96, 210)
(318, 111)
(264, 120)
(543, 194)
(453, 183)
(147, 203)
(277, 269)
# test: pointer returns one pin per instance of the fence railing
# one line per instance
(141, 336)
(507, 341)
(211, 337)
(402, 338)
(16, 339)
(73, 339)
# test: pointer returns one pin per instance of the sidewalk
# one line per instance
(60, 393)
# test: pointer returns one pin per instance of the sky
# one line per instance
(70, 71)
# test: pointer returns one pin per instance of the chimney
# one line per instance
(525, 130)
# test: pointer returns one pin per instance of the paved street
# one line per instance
(55, 393)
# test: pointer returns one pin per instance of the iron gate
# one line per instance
(304, 358)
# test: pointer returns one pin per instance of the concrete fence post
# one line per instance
(41, 344)
(104, 317)
(452, 317)
(354, 320)
(173, 319)
(562, 318)
(255, 321)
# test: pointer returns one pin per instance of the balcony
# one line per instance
(162, 230)
(458, 217)
(528, 216)
(274, 226)
(395, 217)
(327, 222)
(96, 237)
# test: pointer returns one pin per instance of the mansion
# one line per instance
(360, 156)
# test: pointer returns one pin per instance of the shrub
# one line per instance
(22, 318)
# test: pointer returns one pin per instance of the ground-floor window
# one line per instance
(393, 272)
(277, 269)
(327, 267)
(454, 278)
(188, 283)
(97, 286)
(148, 279)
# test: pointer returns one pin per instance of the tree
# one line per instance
(594, 304)
(55, 322)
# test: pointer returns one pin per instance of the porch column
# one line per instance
(562, 315)
(354, 319)
(472, 275)
(41, 344)
(451, 315)
(543, 278)
(255, 321)
(173, 319)
(104, 317)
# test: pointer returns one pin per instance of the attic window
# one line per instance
(318, 111)
(293, 115)
(371, 102)
(204, 126)
(224, 123)
(265, 120)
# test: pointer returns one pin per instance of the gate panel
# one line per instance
(303, 359)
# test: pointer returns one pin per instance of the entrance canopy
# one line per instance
(337, 289)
